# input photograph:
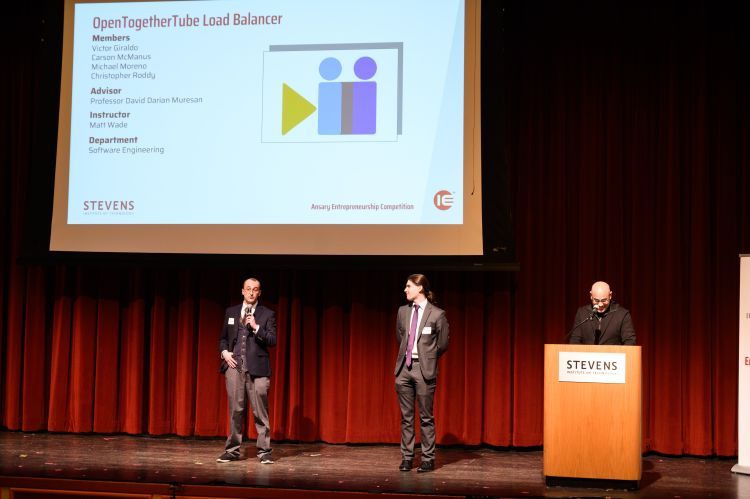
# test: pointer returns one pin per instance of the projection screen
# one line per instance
(256, 127)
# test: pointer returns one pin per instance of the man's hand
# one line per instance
(250, 321)
(229, 358)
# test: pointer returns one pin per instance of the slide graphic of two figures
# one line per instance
(347, 107)
(358, 90)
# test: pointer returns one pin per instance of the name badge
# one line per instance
(427, 330)
(230, 322)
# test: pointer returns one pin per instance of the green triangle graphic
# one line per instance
(294, 109)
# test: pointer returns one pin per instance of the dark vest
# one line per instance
(240, 347)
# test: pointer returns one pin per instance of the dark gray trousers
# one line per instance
(411, 386)
(240, 389)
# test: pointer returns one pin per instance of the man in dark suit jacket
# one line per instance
(604, 322)
(422, 336)
(249, 329)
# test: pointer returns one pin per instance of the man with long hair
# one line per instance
(422, 336)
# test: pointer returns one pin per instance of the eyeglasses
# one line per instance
(597, 300)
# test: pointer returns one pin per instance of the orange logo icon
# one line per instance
(443, 200)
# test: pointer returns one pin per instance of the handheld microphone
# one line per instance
(248, 313)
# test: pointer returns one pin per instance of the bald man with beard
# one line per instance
(604, 322)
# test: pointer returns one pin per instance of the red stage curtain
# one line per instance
(627, 148)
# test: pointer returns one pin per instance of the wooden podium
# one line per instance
(592, 430)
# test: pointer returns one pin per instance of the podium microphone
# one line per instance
(589, 318)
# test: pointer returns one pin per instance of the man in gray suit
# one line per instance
(422, 336)
(249, 329)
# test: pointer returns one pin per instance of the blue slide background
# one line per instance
(224, 158)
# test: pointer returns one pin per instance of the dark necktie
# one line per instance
(412, 334)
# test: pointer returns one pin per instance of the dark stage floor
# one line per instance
(323, 467)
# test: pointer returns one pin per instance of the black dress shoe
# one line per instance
(426, 466)
(405, 465)
(227, 457)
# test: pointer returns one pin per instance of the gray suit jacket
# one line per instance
(429, 346)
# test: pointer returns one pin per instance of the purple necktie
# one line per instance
(412, 334)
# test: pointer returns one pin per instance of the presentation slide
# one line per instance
(277, 120)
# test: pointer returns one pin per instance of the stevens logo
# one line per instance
(592, 367)
(108, 205)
